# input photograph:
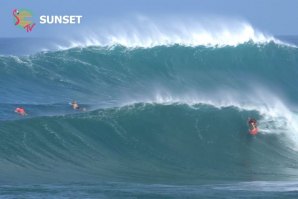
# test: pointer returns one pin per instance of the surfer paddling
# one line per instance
(75, 105)
(21, 111)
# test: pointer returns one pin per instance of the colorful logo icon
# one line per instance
(22, 19)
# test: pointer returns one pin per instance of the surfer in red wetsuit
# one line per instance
(253, 126)
(21, 111)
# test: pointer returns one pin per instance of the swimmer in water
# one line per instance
(75, 105)
(21, 111)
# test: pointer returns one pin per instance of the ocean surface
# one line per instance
(165, 120)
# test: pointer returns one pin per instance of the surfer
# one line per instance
(21, 111)
(253, 126)
(75, 105)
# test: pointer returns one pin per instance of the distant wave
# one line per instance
(105, 75)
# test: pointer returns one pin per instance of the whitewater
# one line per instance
(166, 114)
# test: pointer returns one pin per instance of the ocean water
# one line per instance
(161, 120)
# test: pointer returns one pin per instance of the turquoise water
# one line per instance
(160, 122)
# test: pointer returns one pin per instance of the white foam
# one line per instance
(263, 186)
(145, 32)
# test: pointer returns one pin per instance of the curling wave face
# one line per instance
(144, 143)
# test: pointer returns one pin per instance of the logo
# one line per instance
(65, 19)
(22, 19)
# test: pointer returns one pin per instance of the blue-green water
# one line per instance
(240, 190)
(160, 122)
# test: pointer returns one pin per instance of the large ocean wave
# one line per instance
(145, 143)
(162, 113)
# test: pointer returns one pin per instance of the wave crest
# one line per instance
(146, 33)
